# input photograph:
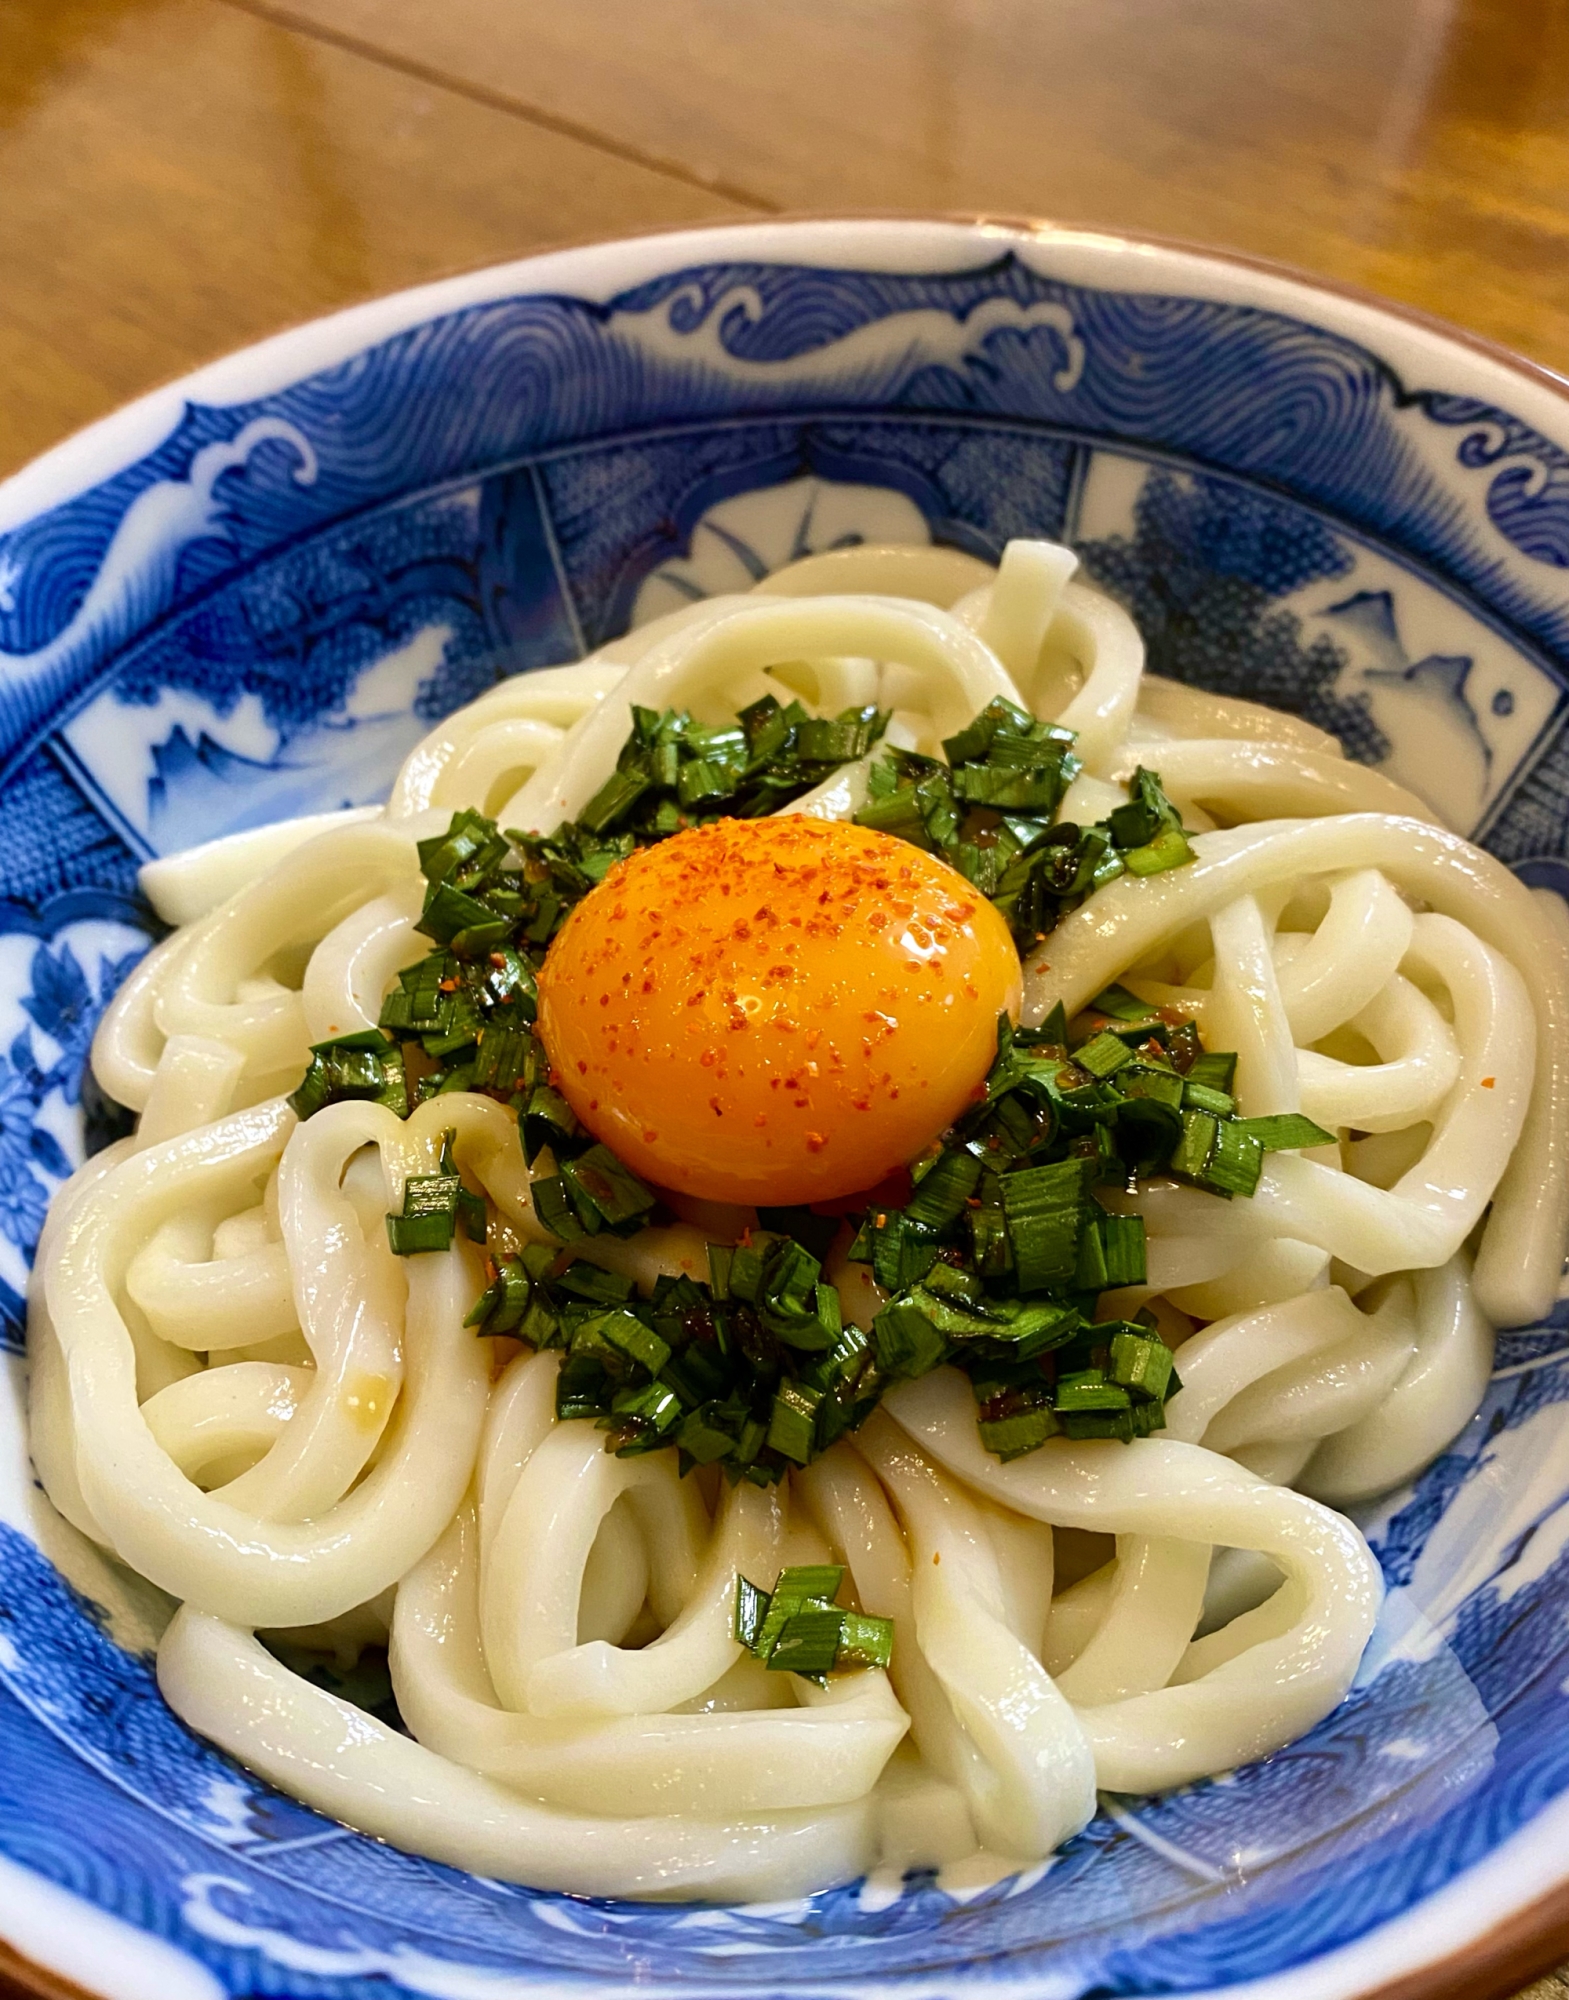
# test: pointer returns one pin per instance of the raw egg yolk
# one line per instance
(776, 1010)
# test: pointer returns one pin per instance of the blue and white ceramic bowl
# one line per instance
(247, 595)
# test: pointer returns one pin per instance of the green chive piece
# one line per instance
(792, 1422)
(902, 1252)
(583, 1388)
(746, 1274)
(557, 1212)
(942, 1191)
(702, 1438)
(1169, 849)
(473, 1215)
(1141, 1365)
(806, 1583)
(1120, 1005)
(1123, 1248)
(1089, 1271)
(1013, 1437)
(625, 1335)
(615, 1192)
(415, 1235)
(1285, 1132)
(649, 1411)
(907, 1343)
(432, 1204)
(1145, 1136)
(1017, 791)
(501, 1307)
(790, 1301)
(583, 1280)
(808, 1642)
(613, 801)
(1103, 1056)
(704, 782)
(1088, 1389)
(824, 1580)
(990, 1248)
(1196, 1146)
(548, 1120)
(1044, 1207)
(751, 1608)
(363, 1066)
(1214, 1068)
(1236, 1162)
(1121, 1424)
(462, 923)
(898, 814)
(1150, 1082)
(720, 1260)
(864, 1641)
(797, 1628)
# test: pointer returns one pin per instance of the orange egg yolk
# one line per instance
(777, 1010)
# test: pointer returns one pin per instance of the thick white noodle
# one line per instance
(183, 887)
(929, 575)
(718, 1764)
(347, 1764)
(1169, 711)
(1244, 1708)
(1243, 781)
(481, 755)
(241, 1392)
(1429, 1404)
(1029, 1777)
(1521, 1257)
(196, 1545)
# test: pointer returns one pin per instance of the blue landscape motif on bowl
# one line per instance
(261, 615)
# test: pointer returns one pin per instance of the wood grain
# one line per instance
(1419, 147)
(180, 177)
(20, 1979)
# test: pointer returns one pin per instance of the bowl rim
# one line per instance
(106, 444)
(1527, 1939)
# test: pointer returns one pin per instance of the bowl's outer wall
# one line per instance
(248, 597)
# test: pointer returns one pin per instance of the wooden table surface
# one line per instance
(178, 177)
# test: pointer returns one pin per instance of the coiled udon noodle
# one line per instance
(240, 1391)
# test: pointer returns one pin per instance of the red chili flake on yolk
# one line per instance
(857, 925)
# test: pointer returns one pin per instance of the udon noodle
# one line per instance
(241, 1392)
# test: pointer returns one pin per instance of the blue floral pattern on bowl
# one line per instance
(262, 613)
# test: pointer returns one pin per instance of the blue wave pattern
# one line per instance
(1226, 386)
(1528, 501)
(512, 474)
